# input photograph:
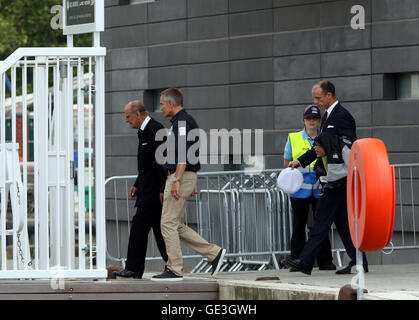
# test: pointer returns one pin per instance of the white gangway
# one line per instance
(73, 241)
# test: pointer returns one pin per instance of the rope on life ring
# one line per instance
(376, 194)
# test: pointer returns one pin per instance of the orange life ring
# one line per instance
(376, 194)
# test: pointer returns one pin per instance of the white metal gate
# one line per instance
(66, 89)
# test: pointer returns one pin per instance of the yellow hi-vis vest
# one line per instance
(310, 185)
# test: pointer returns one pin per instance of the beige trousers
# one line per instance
(174, 230)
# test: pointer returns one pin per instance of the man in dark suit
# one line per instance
(147, 189)
(338, 132)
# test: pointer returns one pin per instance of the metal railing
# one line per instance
(246, 213)
(63, 237)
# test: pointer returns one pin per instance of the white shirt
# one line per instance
(330, 109)
(145, 123)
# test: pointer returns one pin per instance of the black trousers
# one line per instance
(331, 208)
(147, 217)
(300, 212)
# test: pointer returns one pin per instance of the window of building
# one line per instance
(407, 86)
(152, 100)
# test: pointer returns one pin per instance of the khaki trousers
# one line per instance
(174, 230)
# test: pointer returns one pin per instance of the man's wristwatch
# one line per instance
(174, 179)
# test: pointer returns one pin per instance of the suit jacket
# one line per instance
(339, 123)
(151, 176)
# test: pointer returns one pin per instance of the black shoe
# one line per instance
(167, 275)
(298, 265)
(347, 270)
(293, 269)
(218, 261)
(127, 274)
(329, 266)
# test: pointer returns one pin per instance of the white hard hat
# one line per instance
(290, 181)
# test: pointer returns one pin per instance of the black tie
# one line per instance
(324, 118)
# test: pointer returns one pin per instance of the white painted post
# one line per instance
(3, 170)
(100, 164)
(42, 150)
(80, 175)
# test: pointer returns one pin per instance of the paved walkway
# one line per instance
(398, 282)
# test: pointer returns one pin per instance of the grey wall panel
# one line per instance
(248, 5)
(396, 139)
(198, 8)
(120, 166)
(361, 111)
(167, 55)
(293, 92)
(250, 47)
(126, 58)
(206, 97)
(115, 124)
(116, 101)
(395, 34)
(167, 77)
(362, 133)
(122, 145)
(259, 94)
(211, 119)
(287, 3)
(383, 87)
(346, 63)
(342, 12)
(109, 3)
(345, 38)
(392, 60)
(125, 15)
(125, 37)
(132, 79)
(167, 32)
(289, 117)
(401, 157)
(274, 161)
(396, 112)
(207, 74)
(250, 23)
(274, 142)
(296, 43)
(208, 51)
(352, 88)
(208, 27)
(297, 18)
(383, 10)
(251, 71)
(252, 118)
(297, 67)
(164, 10)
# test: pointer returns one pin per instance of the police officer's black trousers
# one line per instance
(147, 217)
(331, 207)
(300, 213)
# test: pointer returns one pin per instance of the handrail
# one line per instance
(35, 52)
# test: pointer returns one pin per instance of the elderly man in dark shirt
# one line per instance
(147, 189)
(180, 185)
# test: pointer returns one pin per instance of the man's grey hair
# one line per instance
(137, 105)
(174, 95)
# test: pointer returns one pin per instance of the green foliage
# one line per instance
(27, 23)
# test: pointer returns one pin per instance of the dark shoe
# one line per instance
(127, 274)
(298, 265)
(329, 266)
(167, 275)
(293, 269)
(347, 270)
(218, 261)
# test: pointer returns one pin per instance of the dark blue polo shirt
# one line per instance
(185, 150)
